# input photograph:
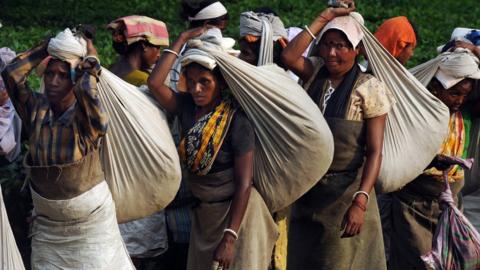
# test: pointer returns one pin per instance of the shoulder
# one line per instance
(137, 77)
(376, 97)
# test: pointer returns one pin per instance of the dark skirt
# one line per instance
(415, 213)
(315, 237)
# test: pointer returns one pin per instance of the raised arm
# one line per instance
(15, 79)
(164, 94)
(292, 54)
(91, 116)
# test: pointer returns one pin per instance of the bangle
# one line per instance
(232, 232)
(359, 205)
(172, 52)
(361, 192)
(310, 32)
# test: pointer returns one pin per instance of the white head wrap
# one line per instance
(67, 47)
(268, 26)
(212, 11)
(348, 25)
(212, 39)
(197, 52)
(457, 66)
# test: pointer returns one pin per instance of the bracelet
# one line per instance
(359, 205)
(361, 192)
(232, 232)
(310, 32)
(172, 52)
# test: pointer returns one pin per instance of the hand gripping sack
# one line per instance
(10, 258)
(139, 157)
(416, 125)
(295, 145)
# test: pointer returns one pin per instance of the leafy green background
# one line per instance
(28, 21)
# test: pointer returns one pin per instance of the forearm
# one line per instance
(15, 79)
(156, 82)
(90, 112)
(239, 206)
(371, 170)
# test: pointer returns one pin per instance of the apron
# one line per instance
(415, 213)
(257, 233)
(315, 237)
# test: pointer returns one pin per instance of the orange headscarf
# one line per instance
(395, 34)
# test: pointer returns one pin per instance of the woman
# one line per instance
(231, 225)
(415, 207)
(399, 36)
(137, 39)
(252, 45)
(336, 224)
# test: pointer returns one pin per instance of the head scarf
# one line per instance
(141, 28)
(464, 34)
(266, 27)
(210, 40)
(211, 11)
(395, 34)
(348, 25)
(457, 66)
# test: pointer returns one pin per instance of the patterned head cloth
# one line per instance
(395, 34)
(135, 28)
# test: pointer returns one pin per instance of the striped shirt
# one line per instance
(69, 137)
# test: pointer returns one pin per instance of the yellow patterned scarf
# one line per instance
(454, 145)
(199, 148)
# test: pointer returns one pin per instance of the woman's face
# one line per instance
(150, 55)
(455, 96)
(406, 54)
(337, 52)
(247, 53)
(203, 85)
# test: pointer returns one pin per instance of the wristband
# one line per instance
(232, 232)
(310, 32)
(172, 52)
(361, 192)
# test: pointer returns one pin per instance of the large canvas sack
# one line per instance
(295, 145)
(139, 157)
(10, 258)
(416, 125)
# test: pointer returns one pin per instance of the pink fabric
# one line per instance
(456, 244)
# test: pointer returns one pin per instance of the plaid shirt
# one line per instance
(57, 140)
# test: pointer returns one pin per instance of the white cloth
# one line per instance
(79, 233)
(146, 237)
(416, 125)
(289, 127)
(449, 68)
(212, 11)
(350, 25)
(7, 132)
(10, 258)
(139, 157)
